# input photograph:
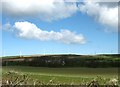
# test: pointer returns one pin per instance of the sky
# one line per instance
(58, 27)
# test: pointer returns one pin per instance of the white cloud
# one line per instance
(31, 31)
(50, 10)
(103, 13)
(47, 10)
(7, 27)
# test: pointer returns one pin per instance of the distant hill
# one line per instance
(38, 55)
(64, 60)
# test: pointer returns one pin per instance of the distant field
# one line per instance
(65, 75)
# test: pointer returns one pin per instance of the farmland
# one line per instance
(73, 71)
(65, 75)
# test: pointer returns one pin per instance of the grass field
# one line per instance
(64, 75)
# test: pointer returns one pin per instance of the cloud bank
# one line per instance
(47, 10)
(51, 10)
(31, 31)
(103, 13)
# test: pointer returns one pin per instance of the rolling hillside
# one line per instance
(66, 60)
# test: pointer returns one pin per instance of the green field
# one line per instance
(64, 75)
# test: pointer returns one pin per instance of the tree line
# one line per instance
(67, 61)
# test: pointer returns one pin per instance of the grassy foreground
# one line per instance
(75, 76)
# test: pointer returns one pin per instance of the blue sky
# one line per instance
(37, 31)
